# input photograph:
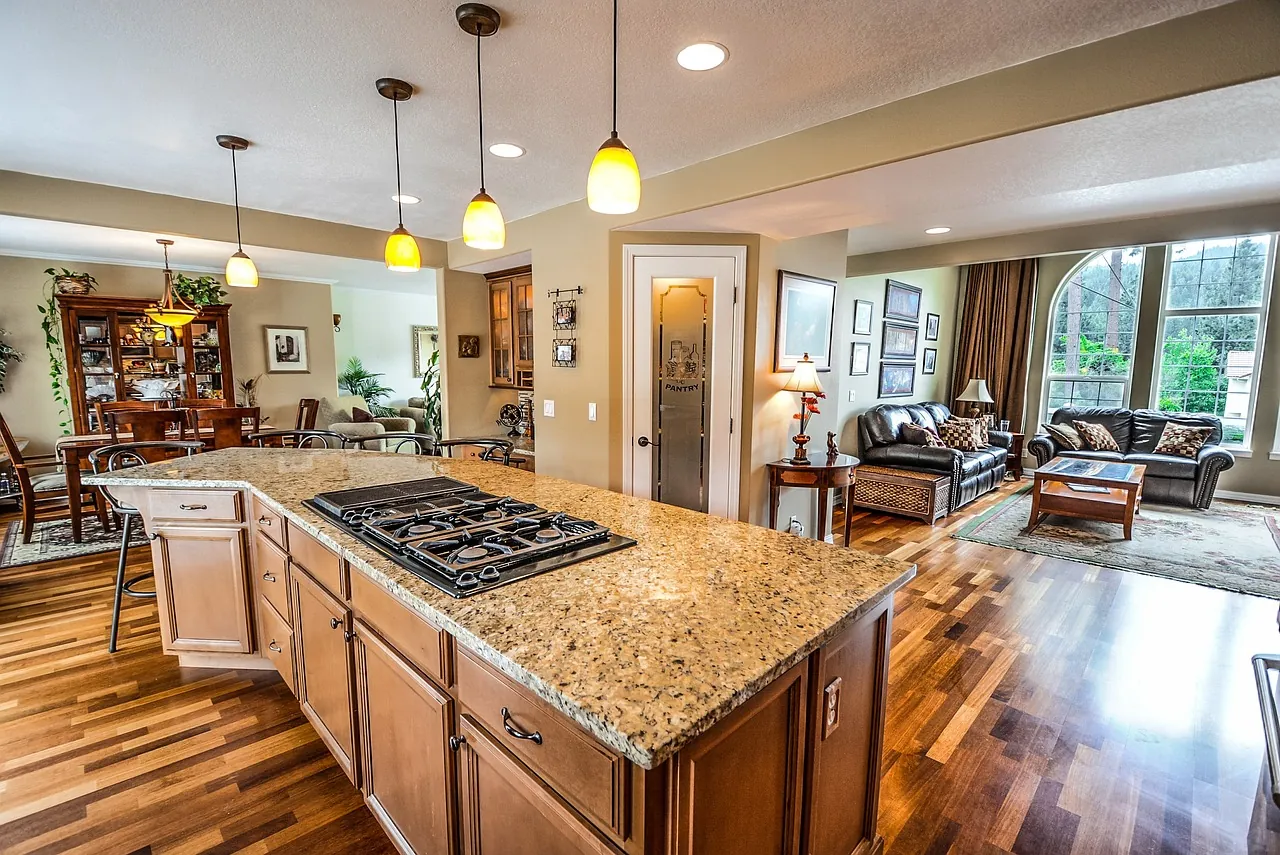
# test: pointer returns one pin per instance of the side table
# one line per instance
(822, 473)
(1014, 464)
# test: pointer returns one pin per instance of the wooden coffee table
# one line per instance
(1112, 491)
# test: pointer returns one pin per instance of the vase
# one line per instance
(801, 456)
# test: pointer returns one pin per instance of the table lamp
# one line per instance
(805, 381)
(976, 393)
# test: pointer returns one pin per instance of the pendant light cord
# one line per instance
(235, 189)
(615, 69)
(480, 105)
(395, 123)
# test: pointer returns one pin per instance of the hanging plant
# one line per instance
(7, 354)
(70, 282)
(203, 291)
(51, 325)
(431, 391)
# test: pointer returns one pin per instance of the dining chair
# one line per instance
(201, 403)
(297, 439)
(399, 441)
(147, 425)
(307, 409)
(113, 458)
(101, 408)
(225, 423)
(42, 490)
(478, 448)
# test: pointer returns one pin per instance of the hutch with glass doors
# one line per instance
(115, 353)
(511, 328)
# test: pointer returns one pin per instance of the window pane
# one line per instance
(1219, 273)
(1207, 365)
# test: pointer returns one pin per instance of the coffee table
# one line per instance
(1112, 491)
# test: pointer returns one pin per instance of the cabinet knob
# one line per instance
(276, 647)
(456, 742)
(334, 622)
(535, 737)
(268, 577)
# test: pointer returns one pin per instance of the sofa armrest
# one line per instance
(1001, 438)
(1210, 463)
(397, 424)
(1222, 458)
(354, 432)
(1044, 448)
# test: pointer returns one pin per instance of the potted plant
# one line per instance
(431, 393)
(201, 291)
(7, 354)
(70, 282)
(355, 379)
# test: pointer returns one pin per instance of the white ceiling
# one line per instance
(1215, 149)
(132, 92)
(75, 242)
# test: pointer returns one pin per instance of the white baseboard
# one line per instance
(1256, 498)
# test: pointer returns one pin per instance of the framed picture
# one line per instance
(901, 301)
(931, 324)
(862, 312)
(564, 314)
(564, 354)
(897, 379)
(287, 350)
(806, 305)
(426, 340)
(860, 358)
(469, 347)
(899, 342)
(930, 360)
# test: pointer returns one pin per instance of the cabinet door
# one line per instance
(321, 625)
(405, 762)
(505, 810)
(500, 343)
(202, 589)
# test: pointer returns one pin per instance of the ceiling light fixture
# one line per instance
(505, 149)
(401, 253)
(482, 225)
(702, 56)
(613, 184)
(938, 230)
(240, 270)
(166, 311)
(405, 198)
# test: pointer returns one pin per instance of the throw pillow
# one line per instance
(1065, 435)
(917, 435)
(1096, 437)
(959, 434)
(358, 415)
(1182, 440)
(330, 414)
(979, 428)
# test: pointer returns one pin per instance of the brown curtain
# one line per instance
(995, 333)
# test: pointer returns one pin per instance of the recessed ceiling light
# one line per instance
(938, 230)
(702, 56)
(505, 149)
(405, 199)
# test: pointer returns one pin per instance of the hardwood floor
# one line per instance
(1036, 706)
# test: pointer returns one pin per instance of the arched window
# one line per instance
(1095, 312)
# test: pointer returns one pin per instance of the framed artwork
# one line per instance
(860, 358)
(426, 340)
(930, 360)
(901, 301)
(899, 342)
(287, 350)
(806, 306)
(932, 323)
(862, 312)
(564, 314)
(897, 380)
(469, 347)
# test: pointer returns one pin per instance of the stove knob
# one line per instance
(467, 580)
(489, 573)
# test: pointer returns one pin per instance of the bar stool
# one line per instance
(297, 439)
(480, 448)
(113, 458)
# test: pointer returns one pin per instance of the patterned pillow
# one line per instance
(960, 434)
(917, 435)
(1182, 440)
(1096, 437)
(1065, 435)
(360, 416)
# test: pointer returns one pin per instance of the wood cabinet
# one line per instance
(511, 328)
(107, 352)
(321, 631)
(201, 588)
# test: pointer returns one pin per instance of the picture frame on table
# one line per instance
(900, 341)
(932, 324)
(863, 311)
(901, 301)
(287, 351)
(930, 361)
(859, 358)
(806, 309)
(897, 380)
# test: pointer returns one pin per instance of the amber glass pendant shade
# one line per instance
(241, 272)
(482, 225)
(170, 310)
(613, 185)
(402, 253)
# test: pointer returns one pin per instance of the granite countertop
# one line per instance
(646, 647)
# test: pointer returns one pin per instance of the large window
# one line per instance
(1095, 313)
(1215, 299)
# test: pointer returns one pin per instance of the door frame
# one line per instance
(630, 254)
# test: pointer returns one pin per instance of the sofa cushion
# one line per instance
(1182, 440)
(882, 425)
(1086, 454)
(982, 460)
(361, 416)
(1148, 425)
(959, 434)
(1096, 436)
(1165, 465)
(917, 435)
(1117, 421)
(1066, 436)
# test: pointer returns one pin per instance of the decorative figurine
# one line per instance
(832, 451)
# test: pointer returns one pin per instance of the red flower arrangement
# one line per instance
(808, 407)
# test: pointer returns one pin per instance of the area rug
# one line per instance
(52, 541)
(1233, 546)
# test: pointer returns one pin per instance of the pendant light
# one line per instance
(401, 253)
(482, 225)
(240, 270)
(613, 184)
(170, 310)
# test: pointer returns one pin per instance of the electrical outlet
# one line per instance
(549, 409)
(831, 706)
(852, 394)
(591, 411)
(795, 526)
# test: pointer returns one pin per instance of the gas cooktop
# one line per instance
(461, 539)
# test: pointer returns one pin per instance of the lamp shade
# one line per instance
(401, 253)
(977, 392)
(240, 271)
(613, 184)
(804, 378)
(482, 225)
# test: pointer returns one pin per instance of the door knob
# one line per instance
(645, 442)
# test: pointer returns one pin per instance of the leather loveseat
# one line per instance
(973, 473)
(1173, 480)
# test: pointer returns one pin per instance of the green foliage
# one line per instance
(355, 379)
(431, 392)
(60, 273)
(7, 354)
(202, 291)
(51, 324)
(1095, 358)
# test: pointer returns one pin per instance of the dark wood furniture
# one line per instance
(48, 490)
(307, 409)
(147, 425)
(101, 408)
(821, 473)
(1016, 445)
(108, 348)
(511, 328)
(921, 495)
(1052, 493)
(226, 425)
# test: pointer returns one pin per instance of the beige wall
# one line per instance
(470, 405)
(28, 403)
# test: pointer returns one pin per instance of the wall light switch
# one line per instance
(851, 396)
(549, 409)
(591, 411)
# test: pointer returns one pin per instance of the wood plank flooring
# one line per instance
(1036, 706)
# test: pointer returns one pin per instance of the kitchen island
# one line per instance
(716, 688)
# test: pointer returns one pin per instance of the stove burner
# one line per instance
(546, 535)
(471, 553)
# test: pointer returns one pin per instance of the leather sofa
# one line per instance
(973, 473)
(1170, 479)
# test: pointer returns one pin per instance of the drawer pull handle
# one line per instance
(334, 622)
(456, 742)
(269, 577)
(264, 520)
(535, 737)
(193, 507)
(277, 648)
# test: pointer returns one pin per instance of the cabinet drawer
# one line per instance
(277, 641)
(196, 505)
(588, 775)
(270, 523)
(322, 563)
(272, 569)
(412, 635)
